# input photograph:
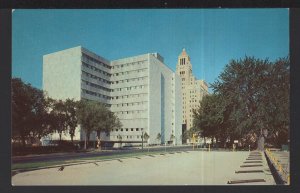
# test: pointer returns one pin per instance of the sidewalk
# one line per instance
(253, 171)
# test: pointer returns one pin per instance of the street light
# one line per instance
(142, 140)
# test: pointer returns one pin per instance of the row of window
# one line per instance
(95, 94)
(89, 58)
(193, 100)
(130, 80)
(128, 129)
(95, 69)
(127, 137)
(95, 77)
(129, 64)
(131, 88)
(130, 72)
(129, 104)
(130, 112)
(191, 118)
(96, 86)
(130, 96)
(182, 72)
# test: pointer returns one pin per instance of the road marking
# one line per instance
(245, 181)
(246, 162)
(255, 165)
(249, 171)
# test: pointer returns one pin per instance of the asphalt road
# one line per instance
(71, 156)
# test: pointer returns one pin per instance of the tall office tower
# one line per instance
(193, 90)
(141, 90)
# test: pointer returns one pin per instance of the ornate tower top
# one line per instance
(183, 53)
(184, 63)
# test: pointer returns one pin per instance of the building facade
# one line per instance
(141, 90)
(193, 90)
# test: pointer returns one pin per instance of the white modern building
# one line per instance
(142, 91)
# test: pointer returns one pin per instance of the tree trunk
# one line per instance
(23, 141)
(88, 139)
(261, 143)
(98, 140)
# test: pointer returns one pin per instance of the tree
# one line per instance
(95, 116)
(208, 119)
(28, 111)
(146, 136)
(158, 138)
(110, 121)
(71, 118)
(256, 93)
(172, 137)
(59, 118)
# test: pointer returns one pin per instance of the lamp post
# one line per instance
(142, 140)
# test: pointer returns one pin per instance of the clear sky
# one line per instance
(212, 37)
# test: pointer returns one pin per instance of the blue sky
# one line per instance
(212, 37)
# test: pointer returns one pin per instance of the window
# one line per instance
(131, 129)
(137, 129)
(121, 129)
(126, 129)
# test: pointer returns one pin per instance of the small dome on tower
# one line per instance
(183, 53)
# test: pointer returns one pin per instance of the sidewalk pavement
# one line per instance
(253, 171)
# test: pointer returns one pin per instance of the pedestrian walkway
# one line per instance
(253, 171)
(280, 160)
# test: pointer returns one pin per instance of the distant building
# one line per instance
(142, 91)
(193, 90)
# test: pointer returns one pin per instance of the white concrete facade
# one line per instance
(141, 90)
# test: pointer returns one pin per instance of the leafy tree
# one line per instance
(110, 121)
(95, 116)
(59, 118)
(28, 111)
(146, 136)
(71, 118)
(158, 137)
(256, 95)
